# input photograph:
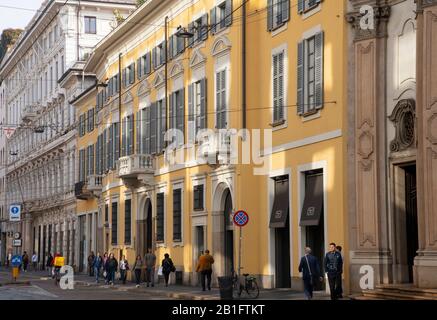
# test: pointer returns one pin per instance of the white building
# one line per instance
(38, 161)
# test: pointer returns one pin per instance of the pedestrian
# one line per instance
(339, 279)
(167, 267)
(204, 266)
(35, 261)
(9, 259)
(25, 259)
(97, 264)
(49, 264)
(105, 272)
(124, 267)
(138, 267)
(334, 269)
(310, 268)
(91, 258)
(111, 268)
(150, 261)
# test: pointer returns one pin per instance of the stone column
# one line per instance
(368, 213)
(425, 269)
(27, 234)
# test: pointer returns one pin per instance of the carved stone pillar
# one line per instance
(426, 260)
(28, 234)
(368, 217)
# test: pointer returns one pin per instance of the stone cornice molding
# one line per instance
(422, 4)
(381, 17)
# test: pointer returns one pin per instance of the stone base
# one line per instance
(425, 270)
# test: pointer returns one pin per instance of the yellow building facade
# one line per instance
(273, 66)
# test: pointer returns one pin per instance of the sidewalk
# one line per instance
(182, 292)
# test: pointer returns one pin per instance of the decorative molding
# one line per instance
(431, 134)
(197, 59)
(127, 97)
(144, 88)
(221, 45)
(404, 120)
(159, 79)
(176, 69)
(365, 145)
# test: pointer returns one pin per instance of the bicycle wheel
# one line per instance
(252, 289)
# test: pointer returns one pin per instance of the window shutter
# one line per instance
(270, 15)
(153, 128)
(163, 124)
(117, 140)
(191, 123)
(204, 27)
(285, 8)
(147, 67)
(123, 137)
(124, 78)
(164, 47)
(300, 6)
(218, 100)
(213, 18)
(300, 78)
(139, 68)
(147, 130)
(131, 134)
(155, 58)
(91, 169)
(171, 114)
(228, 13)
(191, 29)
(181, 44)
(203, 109)
(281, 86)
(319, 70)
(170, 49)
(137, 133)
(180, 114)
(132, 73)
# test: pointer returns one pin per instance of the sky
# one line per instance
(17, 18)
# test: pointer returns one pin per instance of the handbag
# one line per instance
(105, 274)
(160, 271)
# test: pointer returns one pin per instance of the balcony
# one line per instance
(135, 170)
(86, 190)
(29, 113)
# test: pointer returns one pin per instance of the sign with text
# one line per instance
(15, 212)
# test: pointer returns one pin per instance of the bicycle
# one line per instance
(250, 286)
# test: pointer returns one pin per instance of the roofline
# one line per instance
(84, 93)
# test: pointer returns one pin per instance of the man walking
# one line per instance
(25, 259)
(97, 265)
(310, 268)
(205, 268)
(150, 261)
(91, 258)
(34, 261)
(334, 269)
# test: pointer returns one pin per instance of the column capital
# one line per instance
(381, 15)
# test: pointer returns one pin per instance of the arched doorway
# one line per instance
(228, 234)
(144, 227)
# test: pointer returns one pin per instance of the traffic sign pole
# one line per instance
(241, 218)
(239, 251)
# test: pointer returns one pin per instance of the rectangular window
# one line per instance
(177, 114)
(82, 165)
(160, 217)
(310, 74)
(177, 215)
(91, 25)
(176, 45)
(221, 16)
(127, 221)
(158, 54)
(278, 87)
(197, 113)
(144, 65)
(278, 13)
(199, 28)
(129, 75)
(161, 123)
(198, 197)
(127, 147)
(106, 212)
(82, 125)
(114, 231)
(145, 131)
(307, 5)
(90, 120)
(90, 160)
(221, 107)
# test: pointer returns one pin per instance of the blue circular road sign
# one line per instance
(241, 218)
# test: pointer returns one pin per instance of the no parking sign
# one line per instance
(241, 218)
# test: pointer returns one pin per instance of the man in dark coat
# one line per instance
(334, 269)
(310, 268)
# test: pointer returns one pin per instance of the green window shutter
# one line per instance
(131, 134)
(191, 29)
(138, 133)
(172, 113)
(228, 13)
(270, 15)
(123, 137)
(147, 130)
(204, 27)
(124, 77)
(117, 140)
(91, 170)
(164, 48)
(203, 106)
(191, 120)
(300, 78)
(300, 6)
(218, 101)
(132, 73)
(155, 57)
(140, 68)
(285, 8)
(163, 125)
(319, 69)
(213, 18)
(171, 46)
(153, 128)
(180, 114)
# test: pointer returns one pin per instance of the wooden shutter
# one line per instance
(270, 15)
(203, 105)
(285, 10)
(147, 130)
(131, 134)
(138, 123)
(123, 137)
(172, 113)
(191, 120)
(163, 124)
(91, 169)
(147, 67)
(132, 73)
(180, 114)
(191, 29)
(153, 127)
(300, 78)
(171, 47)
(204, 27)
(140, 68)
(228, 13)
(117, 140)
(164, 48)
(154, 58)
(218, 100)
(300, 6)
(213, 18)
(319, 43)
(124, 78)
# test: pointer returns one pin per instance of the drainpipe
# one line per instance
(243, 64)
(166, 66)
(77, 33)
(119, 104)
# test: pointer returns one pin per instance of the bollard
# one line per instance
(15, 273)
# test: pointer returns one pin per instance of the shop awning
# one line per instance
(313, 203)
(279, 215)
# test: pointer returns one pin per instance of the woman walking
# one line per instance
(124, 266)
(104, 265)
(167, 267)
(138, 266)
(111, 269)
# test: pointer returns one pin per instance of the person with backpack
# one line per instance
(98, 263)
(138, 267)
(334, 269)
(167, 267)
(310, 268)
(124, 267)
(25, 259)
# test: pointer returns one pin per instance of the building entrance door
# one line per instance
(412, 235)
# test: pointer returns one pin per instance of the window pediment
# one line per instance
(221, 45)
(197, 59)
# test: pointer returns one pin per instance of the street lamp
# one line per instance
(182, 32)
